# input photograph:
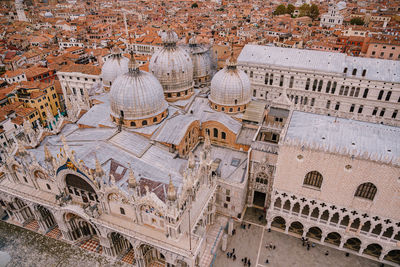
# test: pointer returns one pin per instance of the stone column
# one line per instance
(230, 226)
(362, 248)
(341, 243)
(382, 256)
(287, 228)
(359, 228)
(224, 242)
(323, 236)
(348, 226)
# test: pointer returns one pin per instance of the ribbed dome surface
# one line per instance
(113, 67)
(201, 64)
(172, 65)
(138, 94)
(230, 87)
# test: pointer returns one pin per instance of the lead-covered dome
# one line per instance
(201, 63)
(173, 67)
(113, 67)
(230, 89)
(137, 97)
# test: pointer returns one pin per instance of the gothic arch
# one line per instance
(353, 243)
(373, 250)
(393, 256)
(333, 238)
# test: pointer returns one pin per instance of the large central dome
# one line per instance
(137, 98)
(173, 67)
(230, 89)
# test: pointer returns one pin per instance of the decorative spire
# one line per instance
(191, 161)
(207, 143)
(99, 169)
(133, 65)
(132, 183)
(21, 149)
(47, 154)
(171, 192)
(231, 62)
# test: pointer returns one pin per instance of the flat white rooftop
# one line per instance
(320, 61)
(345, 133)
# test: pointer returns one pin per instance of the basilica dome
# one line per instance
(173, 67)
(201, 63)
(230, 89)
(137, 98)
(113, 67)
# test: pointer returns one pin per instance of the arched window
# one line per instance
(266, 78)
(262, 178)
(380, 95)
(251, 74)
(354, 71)
(223, 135)
(155, 119)
(144, 122)
(313, 178)
(133, 124)
(307, 84)
(122, 211)
(366, 190)
(215, 132)
(328, 86)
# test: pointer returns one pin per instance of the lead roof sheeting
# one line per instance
(174, 129)
(254, 111)
(320, 61)
(246, 136)
(134, 143)
(341, 133)
(278, 112)
(97, 115)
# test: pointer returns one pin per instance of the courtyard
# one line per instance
(251, 243)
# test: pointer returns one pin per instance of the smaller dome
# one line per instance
(230, 86)
(48, 14)
(114, 66)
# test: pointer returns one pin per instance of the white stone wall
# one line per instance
(321, 95)
(339, 184)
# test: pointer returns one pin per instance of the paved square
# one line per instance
(289, 251)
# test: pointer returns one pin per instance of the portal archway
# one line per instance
(84, 233)
(80, 189)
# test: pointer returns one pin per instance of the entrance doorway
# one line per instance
(259, 199)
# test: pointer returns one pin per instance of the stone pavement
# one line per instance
(289, 251)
